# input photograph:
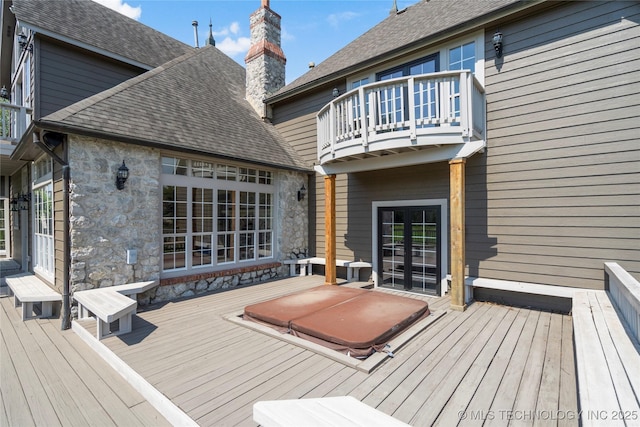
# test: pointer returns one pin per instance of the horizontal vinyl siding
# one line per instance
(296, 122)
(556, 194)
(67, 75)
(354, 217)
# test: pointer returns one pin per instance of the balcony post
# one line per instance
(332, 126)
(458, 262)
(330, 230)
(411, 87)
(364, 131)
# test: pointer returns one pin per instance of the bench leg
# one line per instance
(27, 310)
(102, 330)
(349, 274)
(47, 309)
(83, 313)
(125, 323)
(292, 270)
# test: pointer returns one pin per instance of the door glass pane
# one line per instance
(392, 231)
(424, 258)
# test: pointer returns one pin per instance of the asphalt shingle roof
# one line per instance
(194, 103)
(415, 24)
(88, 22)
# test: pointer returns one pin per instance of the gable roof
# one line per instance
(90, 25)
(194, 103)
(399, 31)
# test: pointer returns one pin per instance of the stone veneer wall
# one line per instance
(105, 222)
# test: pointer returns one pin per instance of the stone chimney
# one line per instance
(265, 61)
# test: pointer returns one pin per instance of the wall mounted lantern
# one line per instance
(121, 176)
(22, 41)
(302, 193)
(335, 92)
(20, 202)
(497, 43)
(4, 93)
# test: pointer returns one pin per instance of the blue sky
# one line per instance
(312, 30)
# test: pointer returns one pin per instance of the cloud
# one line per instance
(122, 7)
(286, 35)
(233, 47)
(336, 18)
(234, 28)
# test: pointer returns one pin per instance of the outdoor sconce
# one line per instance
(22, 41)
(14, 204)
(302, 193)
(497, 43)
(121, 176)
(4, 93)
(335, 92)
(24, 200)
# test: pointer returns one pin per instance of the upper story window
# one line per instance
(429, 64)
(463, 57)
(215, 215)
(359, 83)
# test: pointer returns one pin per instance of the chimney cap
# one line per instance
(312, 64)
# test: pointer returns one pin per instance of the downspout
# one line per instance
(65, 315)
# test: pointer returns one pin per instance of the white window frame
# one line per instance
(43, 255)
(243, 182)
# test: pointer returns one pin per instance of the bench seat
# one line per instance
(108, 306)
(326, 411)
(29, 291)
(133, 289)
(306, 264)
(607, 362)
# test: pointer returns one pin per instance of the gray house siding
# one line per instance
(556, 194)
(67, 75)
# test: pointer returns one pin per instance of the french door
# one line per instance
(409, 248)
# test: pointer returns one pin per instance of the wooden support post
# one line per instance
(330, 229)
(458, 262)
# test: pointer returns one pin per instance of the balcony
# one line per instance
(14, 120)
(404, 115)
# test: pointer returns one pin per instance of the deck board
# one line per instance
(50, 377)
(214, 370)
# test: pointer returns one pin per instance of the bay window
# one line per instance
(215, 215)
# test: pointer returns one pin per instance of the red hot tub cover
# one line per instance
(281, 311)
(357, 322)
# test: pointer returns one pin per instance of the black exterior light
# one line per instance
(121, 177)
(497, 43)
(4, 93)
(22, 41)
(302, 193)
(335, 92)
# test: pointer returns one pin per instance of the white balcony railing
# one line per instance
(14, 120)
(408, 112)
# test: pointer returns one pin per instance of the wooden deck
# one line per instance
(490, 365)
(49, 377)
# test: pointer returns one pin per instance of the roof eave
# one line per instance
(93, 133)
(86, 46)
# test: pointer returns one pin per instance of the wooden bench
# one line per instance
(306, 264)
(29, 291)
(326, 411)
(133, 289)
(108, 307)
(607, 362)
